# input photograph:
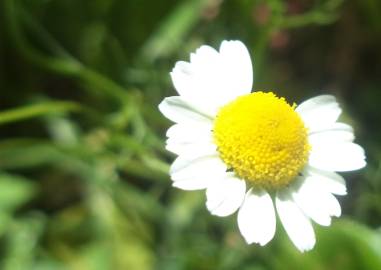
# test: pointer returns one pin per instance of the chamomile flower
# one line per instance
(252, 151)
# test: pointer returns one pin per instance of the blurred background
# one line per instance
(83, 170)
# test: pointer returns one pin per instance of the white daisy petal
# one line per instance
(181, 78)
(182, 166)
(204, 57)
(319, 112)
(296, 224)
(199, 81)
(191, 80)
(226, 195)
(192, 150)
(192, 184)
(337, 132)
(315, 201)
(336, 126)
(185, 132)
(316, 103)
(178, 110)
(212, 78)
(337, 156)
(239, 70)
(330, 181)
(256, 217)
(191, 140)
(197, 173)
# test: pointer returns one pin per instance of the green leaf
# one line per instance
(15, 191)
(344, 245)
(35, 110)
(172, 31)
(24, 153)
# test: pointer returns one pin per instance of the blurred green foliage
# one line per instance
(83, 170)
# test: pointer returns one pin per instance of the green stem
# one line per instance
(65, 65)
(18, 114)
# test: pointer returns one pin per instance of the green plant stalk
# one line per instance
(35, 110)
(67, 66)
(172, 31)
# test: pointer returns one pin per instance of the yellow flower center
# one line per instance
(262, 139)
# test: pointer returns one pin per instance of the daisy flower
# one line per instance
(252, 151)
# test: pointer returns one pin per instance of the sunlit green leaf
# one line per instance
(15, 191)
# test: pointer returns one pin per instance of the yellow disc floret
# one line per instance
(262, 139)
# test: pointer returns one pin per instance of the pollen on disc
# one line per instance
(262, 139)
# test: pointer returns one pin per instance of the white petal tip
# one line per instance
(342, 193)
(306, 249)
(252, 241)
(187, 185)
(256, 218)
(326, 223)
(225, 196)
(306, 246)
(217, 212)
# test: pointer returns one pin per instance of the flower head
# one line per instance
(254, 152)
